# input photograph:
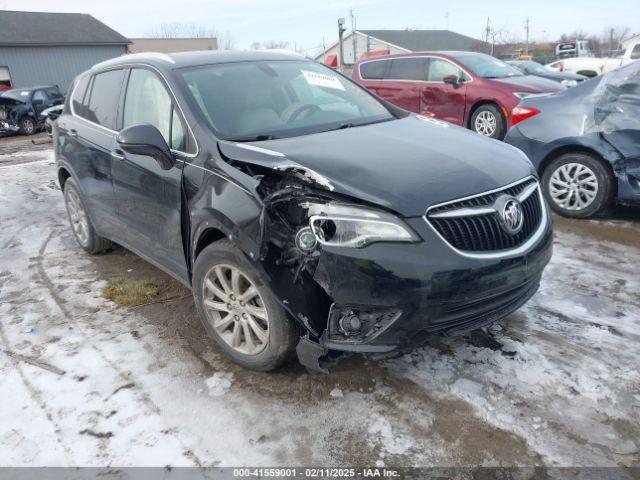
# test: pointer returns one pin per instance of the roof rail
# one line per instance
(136, 56)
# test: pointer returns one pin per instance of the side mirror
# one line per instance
(146, 140)
(452, 80)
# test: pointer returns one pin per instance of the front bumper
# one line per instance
(402, 293)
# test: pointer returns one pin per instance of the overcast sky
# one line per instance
(306, 23)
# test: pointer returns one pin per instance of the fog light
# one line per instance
(350, 325)
(306, 241)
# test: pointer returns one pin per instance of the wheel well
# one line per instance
(577, 149)
(571, 149)
(207, 238)
(63, 175)
(480, 104)
(588, 73)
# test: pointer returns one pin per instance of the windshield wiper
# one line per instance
(257, 138)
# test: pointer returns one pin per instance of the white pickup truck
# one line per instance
(593, 66)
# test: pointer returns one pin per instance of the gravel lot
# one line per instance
(96, 384)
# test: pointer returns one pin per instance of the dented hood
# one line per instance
(404, 165)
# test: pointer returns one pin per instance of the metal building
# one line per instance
(38, 48)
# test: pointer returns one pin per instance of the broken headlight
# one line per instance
(340, 225)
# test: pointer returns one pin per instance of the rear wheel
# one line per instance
(84, 232)
(577, 185)
(488, 121)
(27, 126)
(239, 311)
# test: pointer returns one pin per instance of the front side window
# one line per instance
(408, 69)
(247, 101)
(39, 96)
(147, 101)
(439, 68)
(101, 103)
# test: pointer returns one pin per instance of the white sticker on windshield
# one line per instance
(322, 80)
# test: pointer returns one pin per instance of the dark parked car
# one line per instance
(469, 89)
(566, 79)
(585, 142)
(20, 108)
(301, 210)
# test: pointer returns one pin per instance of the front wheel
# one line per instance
(489, 122)
(27, 126)
(239, 311)
(577, 185)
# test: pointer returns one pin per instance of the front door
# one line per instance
(442, 100)
(150, 198)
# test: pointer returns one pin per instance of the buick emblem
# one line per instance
(510, 214)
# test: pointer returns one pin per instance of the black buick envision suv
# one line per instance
(305, 213)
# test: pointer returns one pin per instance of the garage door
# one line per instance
(5, 78)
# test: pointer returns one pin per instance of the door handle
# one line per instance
(117, 154)
(73, 133)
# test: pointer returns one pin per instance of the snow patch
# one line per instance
(219, 383)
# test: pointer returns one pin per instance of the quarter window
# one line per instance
(101, 106)
(439, 68)
(408, 69)
(373, 70)
(147, 101)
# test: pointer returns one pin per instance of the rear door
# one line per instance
(406, 76)
(86, 139)
(149, 198)
(372, 75)
(442, 100)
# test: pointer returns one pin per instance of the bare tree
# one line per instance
(256, 46)
(226, 41)
(274, 44)
(183, 30)
(615, 34)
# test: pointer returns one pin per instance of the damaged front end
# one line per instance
(10, 113)
(302, 220)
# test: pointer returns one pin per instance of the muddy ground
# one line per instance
(86, 382)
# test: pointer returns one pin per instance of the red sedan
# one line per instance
(470, 89)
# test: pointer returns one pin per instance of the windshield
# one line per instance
(20, 95)
(486, 66)
(536, 69)
(274, 99)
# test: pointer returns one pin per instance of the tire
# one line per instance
(487, 120)
(81, 226)
(282, 332)
(27, 126)
(577, 185)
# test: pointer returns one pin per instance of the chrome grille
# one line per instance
(473, 224)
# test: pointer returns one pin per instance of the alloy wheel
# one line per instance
(28, 126)
(573, 186)
(236, 310)
(486, 123)
(78, 217)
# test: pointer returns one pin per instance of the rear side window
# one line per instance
(147, 101)
(373, 70)
(78, 94)
(635, 53)
(408, 69)
(101, 104)
(39, 96)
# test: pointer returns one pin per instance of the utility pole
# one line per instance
(353, 36)
(368, 45)
(526, 29)
(487, 32)
(610, 43)
(446, 20)
(341, 30)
